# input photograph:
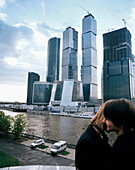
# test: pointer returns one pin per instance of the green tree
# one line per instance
(19, 125)
(5, 122)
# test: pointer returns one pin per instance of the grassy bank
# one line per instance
(7, 160)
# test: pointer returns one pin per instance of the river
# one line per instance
(54, 127)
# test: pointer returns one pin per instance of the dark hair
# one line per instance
(98, 118)
(121, 112)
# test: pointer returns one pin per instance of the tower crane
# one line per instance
(125, 23)
(83, 8)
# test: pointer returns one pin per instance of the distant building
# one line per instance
(32, 77)
(42, 93)
(118, 81)
(69, 55)
(53, 59)
(89, 59)
(72, 93)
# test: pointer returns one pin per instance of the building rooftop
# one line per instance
(88, 15)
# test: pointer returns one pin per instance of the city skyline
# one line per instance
(25, 33)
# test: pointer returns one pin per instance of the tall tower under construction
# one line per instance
(89, 59)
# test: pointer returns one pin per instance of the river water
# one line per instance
(54, 127)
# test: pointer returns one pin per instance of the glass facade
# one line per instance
(53, 59)
(77, 91)
(73, 94)
(59, 89)
(32, 77)
(42, 92)
(90, 93)
(89, 59)
(69, 54)
(56, 91)
(133, 80)
(117, 66)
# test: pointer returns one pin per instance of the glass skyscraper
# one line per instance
(69, 55)
(89, 59)
(42, 93)
(32, 77)
(56, 92)
(53, 59)
(72, 93)
(118, 81)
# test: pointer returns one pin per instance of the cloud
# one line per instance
(132, 15)
(47, 30)
(10, 35)
(2, 3)
(131, 27)
(23, 48)
(15, 58)
(3, 15)
(43, 7)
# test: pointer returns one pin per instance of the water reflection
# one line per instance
(54, 127)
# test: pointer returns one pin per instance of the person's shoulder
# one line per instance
(85, 138)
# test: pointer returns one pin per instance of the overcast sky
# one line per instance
(27, 25)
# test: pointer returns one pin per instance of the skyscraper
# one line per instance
(53, 59)
(117, 65)
(32, 77)
(41, 93)
(69, 55)
(72, 93)
(56, 93)
(89, 59)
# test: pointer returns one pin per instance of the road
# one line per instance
(28, 156)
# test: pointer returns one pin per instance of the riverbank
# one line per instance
(28, 156)
(26, 140)
(53, 127)
(85, 115)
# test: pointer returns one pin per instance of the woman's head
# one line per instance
(121, 112)
(98, 119)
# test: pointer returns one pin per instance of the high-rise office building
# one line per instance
(41, 93)
(56, 93)
(32, 77)
(72, 93)
(89, 59)
(69, 55)
(53, 59)
(117, 65)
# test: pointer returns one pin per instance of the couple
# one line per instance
(93, 150)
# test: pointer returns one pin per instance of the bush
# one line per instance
(8, 123)
(64, 153)
(19, 125)
(5, 122)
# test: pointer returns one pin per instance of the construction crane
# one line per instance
(125, 23)
(83, 8)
